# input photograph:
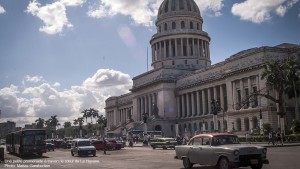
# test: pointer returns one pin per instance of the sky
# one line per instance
(59, 57)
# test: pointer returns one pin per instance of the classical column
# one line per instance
(233, 95)
(215, 92)
(176, 49)
(193, 103)
(160, 51)
(170, 48)
(183, 105)
(194, 51)
(209, 100)
(203, 102)
(178, 106)
(258, 89)
(198, 48)
(188, 52)
(208, 50)
(242, 93)
(181, 45)
(222, 98)
(152, 48)
(249, 91)
(188, 104)
(198, 102)
(165, 49)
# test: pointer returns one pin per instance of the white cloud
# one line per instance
(2, 10)
(53, 15)
(261, 11)
(144, 12)
(214, 6)
(34, 79)
(24, 105)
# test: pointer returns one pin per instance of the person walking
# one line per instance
(104, 146)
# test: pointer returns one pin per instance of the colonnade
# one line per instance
(110, 118)
(179, 47)
(198, 103)
(145, 105)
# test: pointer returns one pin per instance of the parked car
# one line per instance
(117, 144)
(99, 145)
(221, 150)
(82, 147)
(164, 143)
(50, 146)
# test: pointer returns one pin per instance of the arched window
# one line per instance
(191, 25)
(182, 25)
(166, 26)
(173, 25)
(197, 26)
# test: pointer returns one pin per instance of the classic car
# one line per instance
(82, 147)
(50, 146)
(222, 150)
(164, 143)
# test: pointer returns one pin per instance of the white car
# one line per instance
(222, 150)
(82, 147)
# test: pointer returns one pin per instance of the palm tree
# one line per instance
(293, 84)
(276, 77)
(93, 113)
(102, 121)
(54, 121)
(40, 123)
(80, 122)
(75, 122)
(85, 113)
(67, 124)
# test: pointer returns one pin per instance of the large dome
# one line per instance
(178, 7)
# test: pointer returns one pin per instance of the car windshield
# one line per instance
(84, 143)
(225, 140)
(33, 140)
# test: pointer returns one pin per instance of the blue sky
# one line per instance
(63, 56)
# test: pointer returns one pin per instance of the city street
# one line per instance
(137, 158)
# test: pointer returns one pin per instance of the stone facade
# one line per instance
(176, 94)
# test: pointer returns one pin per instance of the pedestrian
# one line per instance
(279, 138)
(271, 140)
(104, 145)
(248, 138)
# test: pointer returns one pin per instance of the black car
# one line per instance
(50, 146)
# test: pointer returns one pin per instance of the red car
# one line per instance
(99, 145)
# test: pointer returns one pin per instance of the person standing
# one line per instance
(271, 140)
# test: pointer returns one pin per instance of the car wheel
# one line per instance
(72, 153)
(164, 147)
(223, 163)
(153, 147)
(94, 154)
(257, 166)
(186, 163)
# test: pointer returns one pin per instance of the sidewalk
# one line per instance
(265, 144)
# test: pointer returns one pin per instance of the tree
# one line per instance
(295, 126)
(54, 121)
(40, 123)
(102, 121)
(80, 122)
(86, 114)
(293, 83)
(67, 124)
(75, 122)
(93, 113)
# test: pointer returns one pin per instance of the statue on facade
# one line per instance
(145, 117)
(155, 110)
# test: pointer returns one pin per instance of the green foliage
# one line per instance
(295, 128)
(267, 128)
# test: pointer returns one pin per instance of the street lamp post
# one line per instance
(215, 108)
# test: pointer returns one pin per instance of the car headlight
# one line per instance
(236, 152)
(264, 151)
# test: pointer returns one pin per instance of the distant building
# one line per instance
(6, 128)
(176, 95)
(30, 126)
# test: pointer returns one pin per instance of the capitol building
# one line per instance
(177, 94)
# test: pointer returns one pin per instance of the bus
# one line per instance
(137, 133)
(25, 142)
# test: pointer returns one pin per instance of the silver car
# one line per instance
(222, 150)
(82, 147)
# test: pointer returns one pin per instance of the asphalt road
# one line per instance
(136, 158)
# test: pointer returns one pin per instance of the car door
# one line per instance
(200, 152)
